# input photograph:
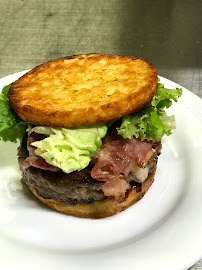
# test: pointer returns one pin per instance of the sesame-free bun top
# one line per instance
(83, 89)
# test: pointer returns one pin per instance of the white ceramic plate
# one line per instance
(161, 231)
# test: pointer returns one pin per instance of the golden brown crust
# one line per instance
(99, 209)
(83, 89)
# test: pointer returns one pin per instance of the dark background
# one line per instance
(167, 33)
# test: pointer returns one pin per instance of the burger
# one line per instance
(90, 129)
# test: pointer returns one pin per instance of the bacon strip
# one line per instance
(33, 159)
(116, 188)
(115, 160)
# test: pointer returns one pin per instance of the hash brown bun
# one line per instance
(83, 89)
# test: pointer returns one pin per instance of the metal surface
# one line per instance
(167, 33)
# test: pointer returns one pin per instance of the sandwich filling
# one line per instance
(117, 162)
(112, 171)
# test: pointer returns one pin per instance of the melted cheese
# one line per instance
(140, 173)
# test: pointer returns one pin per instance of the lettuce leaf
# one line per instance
(151, 122)
(12, 128)
(70, 149)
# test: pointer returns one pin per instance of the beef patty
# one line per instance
(74, 187)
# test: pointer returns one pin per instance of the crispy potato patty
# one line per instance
(83, 89)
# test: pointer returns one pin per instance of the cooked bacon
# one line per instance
(116, 187)
(119, 155)
(33, 159)
(140, 151)
(103, 170)
(115, 160)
